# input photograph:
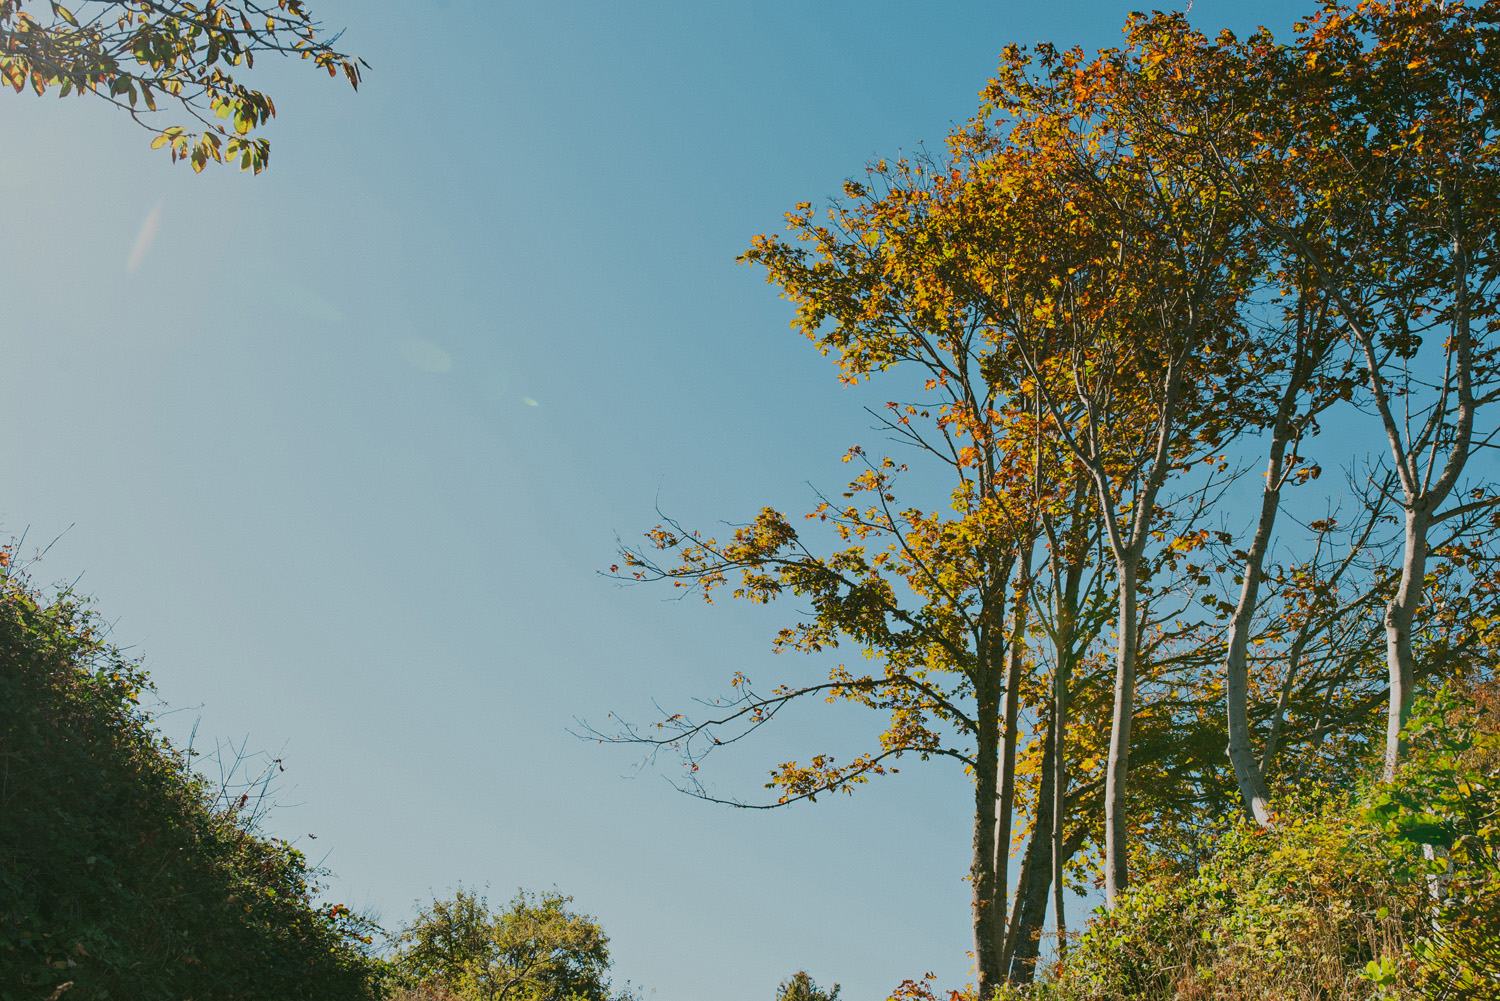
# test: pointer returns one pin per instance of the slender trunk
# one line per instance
(1399, 613)
(1060, 759)
(1116, 863)
(1065, 589)
(1128, 553)
(1422, 495)
(1016, 663)
(1015, 913)
(1033, 900)
(1236, 670)
(1437, 882)
(1033, 892)
(988, 904)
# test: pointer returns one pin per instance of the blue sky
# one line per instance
(343, 446)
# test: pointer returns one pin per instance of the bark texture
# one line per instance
(988, 907)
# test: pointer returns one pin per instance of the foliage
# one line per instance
(1132, 276)
(922, 990)
(133, 53)
(122, 874)
(1128, 267)
(801, 987)
(1302, 905)
(1441, 819)
(1334, 900)
(533, 950)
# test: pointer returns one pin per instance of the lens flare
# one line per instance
(425, 355)
(144, 239)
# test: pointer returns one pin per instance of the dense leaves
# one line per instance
(533, 950)
(122, 873)
(1342, 898)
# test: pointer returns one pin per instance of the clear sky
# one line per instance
(343, 446)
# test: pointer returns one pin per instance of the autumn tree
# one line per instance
(1117, 284)
(1370, 171)
(1336, 149)
(943, 604)
(136, 54)
(1402, 148)
(1133, 275)
(939, 602)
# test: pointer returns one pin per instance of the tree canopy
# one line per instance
(536, 949)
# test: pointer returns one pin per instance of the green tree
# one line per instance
(534, 950)
(800, 987)
(134, 53)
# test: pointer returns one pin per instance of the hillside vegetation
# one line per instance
(122, 875)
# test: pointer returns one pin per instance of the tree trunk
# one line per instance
(1422, 496)
(1038, 865)
(1014, 924)
(1116, 863)
(1060, 767)
(988, 899)
(1236, 669)
(1033, 909)
(1399, 613)
(1065, 587)
(1015, 663)
(1128, 555)
(987, 884)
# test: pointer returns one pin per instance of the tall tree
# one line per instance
(1118, 283)
(1126, 268)
(1412, 158)
(943, 606)
(1373, 168)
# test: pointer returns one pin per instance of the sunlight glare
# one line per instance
(144, 239)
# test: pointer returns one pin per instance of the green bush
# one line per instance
(1441, 825)
(120, 877)
(1392, 891)
(1290, 912)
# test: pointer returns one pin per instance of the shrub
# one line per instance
(1389, 892)
(1441, 825)
(1290, 912)
(120, 876)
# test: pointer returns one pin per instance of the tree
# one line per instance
(534, 950)
(1104, 260)
(1113, 290)
(1372, 174)
(800, 987)
(134, 53)
(1404, 151)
